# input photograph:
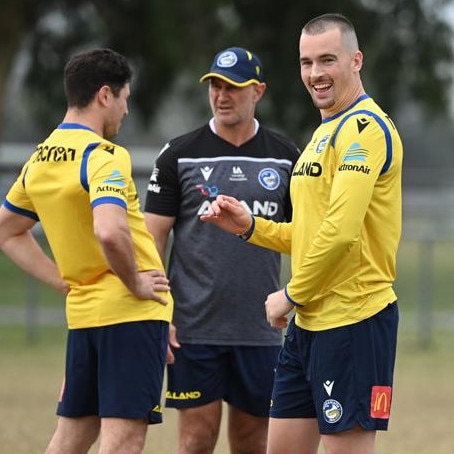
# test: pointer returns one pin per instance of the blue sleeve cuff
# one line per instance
(248, 234)
(21, 211)
(290, 299)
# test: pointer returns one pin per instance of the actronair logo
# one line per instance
(354, 168)
(115, 178)
(355, 153)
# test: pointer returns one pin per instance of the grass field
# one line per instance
(31, 374)
(421, 421)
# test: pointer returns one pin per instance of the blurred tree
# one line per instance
(407, 46)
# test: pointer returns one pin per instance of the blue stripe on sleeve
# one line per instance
(114, 200)
(84, 163)
(21, 211)
(382, 124)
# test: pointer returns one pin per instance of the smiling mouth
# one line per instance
(321, 88)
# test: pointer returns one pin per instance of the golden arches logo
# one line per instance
(380, 402)
(381, 398)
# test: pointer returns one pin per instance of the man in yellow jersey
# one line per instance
(335, 373)
(78, 185)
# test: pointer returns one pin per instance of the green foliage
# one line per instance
(407, 47)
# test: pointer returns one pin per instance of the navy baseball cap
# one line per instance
(237, 66)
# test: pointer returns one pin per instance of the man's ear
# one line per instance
(357, 61)
(104, 95)
(259, 90)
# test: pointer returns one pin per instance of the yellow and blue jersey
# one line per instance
(343, 239)
(69, 174)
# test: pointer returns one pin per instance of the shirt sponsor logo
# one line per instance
(237, 174)
(380, 402)
(54, 154)
(208, 190)
(116, 179)
(259, 208)
(356, 153)
(153, 187)
(310, 169)
(332, 411)
(353, 154)
(120, 191)
(355, 168)
(269, 179)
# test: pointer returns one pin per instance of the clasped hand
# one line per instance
(277, 307)
(229, 214)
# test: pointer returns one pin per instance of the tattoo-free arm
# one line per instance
(19, 244)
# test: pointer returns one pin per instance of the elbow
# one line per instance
(344, 236)
(106, 235)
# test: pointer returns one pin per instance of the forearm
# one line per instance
(26, 253)
(160, 227)
(161, 246)
(118, 250)
(272, 235)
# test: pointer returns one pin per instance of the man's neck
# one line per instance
(85, 118)
(236, 135)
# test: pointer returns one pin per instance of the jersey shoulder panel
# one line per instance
(189, 144)
(368, 124)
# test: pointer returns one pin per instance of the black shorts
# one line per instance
(341, 376)
(242, 376)
(115, 371)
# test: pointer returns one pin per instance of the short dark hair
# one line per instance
(86, 72)
(322, 23)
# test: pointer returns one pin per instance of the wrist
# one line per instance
(247, 232)
(290, 300)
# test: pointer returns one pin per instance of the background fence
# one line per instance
(425, 264)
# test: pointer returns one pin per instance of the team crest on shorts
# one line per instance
(332, 411)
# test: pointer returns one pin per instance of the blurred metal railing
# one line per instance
(428, 214)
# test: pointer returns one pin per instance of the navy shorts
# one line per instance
(341, 376)
(115, 371)
(242, 376)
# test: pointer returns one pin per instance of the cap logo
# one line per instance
(227, 59)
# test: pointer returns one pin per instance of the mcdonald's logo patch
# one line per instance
(380, 402)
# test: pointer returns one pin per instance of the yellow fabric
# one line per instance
(73, 170)
(346, 196)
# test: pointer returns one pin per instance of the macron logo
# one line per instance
(328, 385)
(206, 172)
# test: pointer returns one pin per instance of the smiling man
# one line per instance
(335, 373)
